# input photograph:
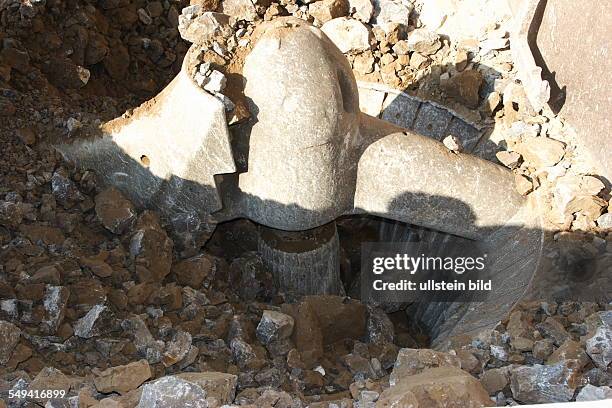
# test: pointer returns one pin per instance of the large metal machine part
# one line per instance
(306, 157)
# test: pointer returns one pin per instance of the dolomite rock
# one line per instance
(122, 379)
(390, 11)
(115, 211)
(144, 342)
(192, 272)
(151, 248)
(605, 221)
(362, 10)
(240, 9)
(49, 378)
(172, 392)
(65, 190)
(413, 361)
(598, 341)
(9, 337)
(540, 151)
(464, 87)
(196, 25)
(453, 143)
(523, 184)
(509, 159)
(326, 10)
(496, 379)
(569, 350)
(541, 384)
(592, 393)
(570, 188)
(348, 34)
(274, 326)
(435, 388)
(54, 303)
(96, 322)
(177, 349)
(423, 41)
(220, 386)
(554, 330)
(380, 328)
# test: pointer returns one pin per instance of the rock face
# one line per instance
(115, 211)
(9, 337)
(413, 361)
(540, 384)
(124, 378)
(436, 387)
(347, 34)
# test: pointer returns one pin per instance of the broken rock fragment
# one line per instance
(96, 322)
(349, 35)
(151, 248)
(49, 378)
(598, 341)
(436, 388)
(144, 342)
(413, 361)
(540, 151)
(122, 379)
(172, 392)
(423, 41)
(592, 393)
(509, 159)
(114, 211)
(362, 10)
(197, 25)
(220, 386)
(177, 349)
(325, 10)
(464, 87)
(192, 272)
(9, 337)
(544, 383)
(54, 303)
(274, 326)
(391, 11)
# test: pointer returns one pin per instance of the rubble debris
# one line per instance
(115, 211)
(122, 379)
(9, 337)
(413, 361)
(541, 384)
(435, 387)
(172, 392)
(349, 35)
